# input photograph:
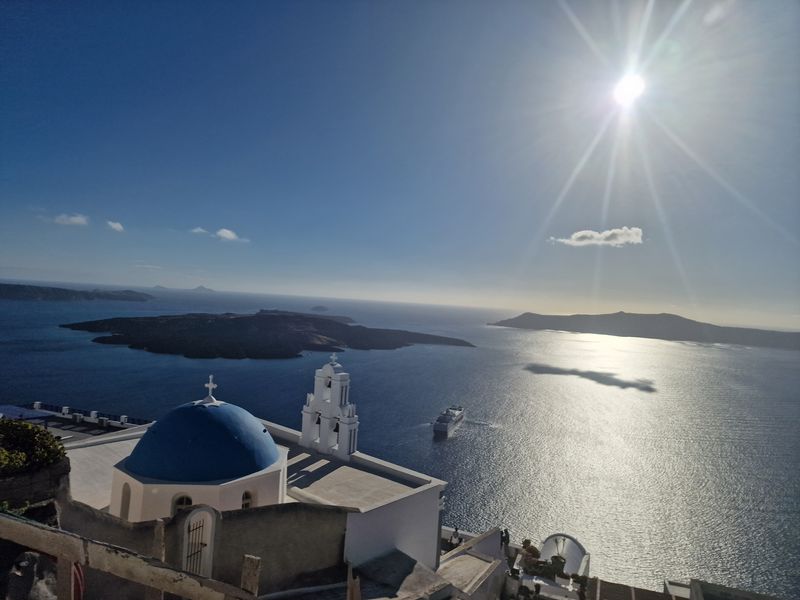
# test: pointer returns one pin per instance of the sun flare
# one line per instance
(628, 90)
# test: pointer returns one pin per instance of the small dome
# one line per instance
(203, 441)
(332, 366)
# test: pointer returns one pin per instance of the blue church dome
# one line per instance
(203, 441)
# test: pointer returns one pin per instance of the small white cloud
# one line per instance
(76, 219)
(199, 230)
(610, 237)
(229, 235)
(116, 226)
(149, 267)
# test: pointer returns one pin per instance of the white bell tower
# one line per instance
(330, 423)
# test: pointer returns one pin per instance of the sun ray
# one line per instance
(599, 267)
(637, 50)
(576, 172)
(582, 31)
(537, 238)
(728, 187)
(676, 17)
(662, 216)
(610, 176)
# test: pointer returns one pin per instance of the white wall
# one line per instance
(410, 524)
(152, 499)
(489, 544)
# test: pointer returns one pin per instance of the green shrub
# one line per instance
(25, 447)
(5, 507)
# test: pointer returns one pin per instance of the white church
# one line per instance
(209, 482)
(219, 455)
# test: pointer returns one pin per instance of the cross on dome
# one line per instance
(210, 385)
(334, 358)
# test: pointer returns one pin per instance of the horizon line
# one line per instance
(517, 311)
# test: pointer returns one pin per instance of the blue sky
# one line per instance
(412, 151)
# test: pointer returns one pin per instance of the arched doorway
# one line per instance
(198, 539)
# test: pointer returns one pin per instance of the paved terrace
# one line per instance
(312, 477)
(362, 483)
(92, 460)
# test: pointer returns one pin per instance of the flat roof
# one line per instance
(361, 483)
(317, 478)
(466, 571)
(91, 464)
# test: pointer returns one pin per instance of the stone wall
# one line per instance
(97, 525)
(38, 489)
(35, 487)
(70, 550)
(299, 544)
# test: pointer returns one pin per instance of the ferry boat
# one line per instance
(448, 421)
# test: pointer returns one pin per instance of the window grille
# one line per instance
(181, 502)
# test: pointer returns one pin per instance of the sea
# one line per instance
(667, 460)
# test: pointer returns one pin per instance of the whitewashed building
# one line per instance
(216, 457)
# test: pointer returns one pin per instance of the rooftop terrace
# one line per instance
(362, 483)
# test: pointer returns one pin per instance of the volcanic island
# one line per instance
(266, 334)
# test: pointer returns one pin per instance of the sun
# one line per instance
(628, 90)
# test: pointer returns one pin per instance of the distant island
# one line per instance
(10, 291)
(662, 326)
(199, 288)
(320, 308)
(266, 334)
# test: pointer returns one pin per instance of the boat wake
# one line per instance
(482, 424)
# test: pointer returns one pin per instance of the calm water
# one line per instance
(665, 459)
